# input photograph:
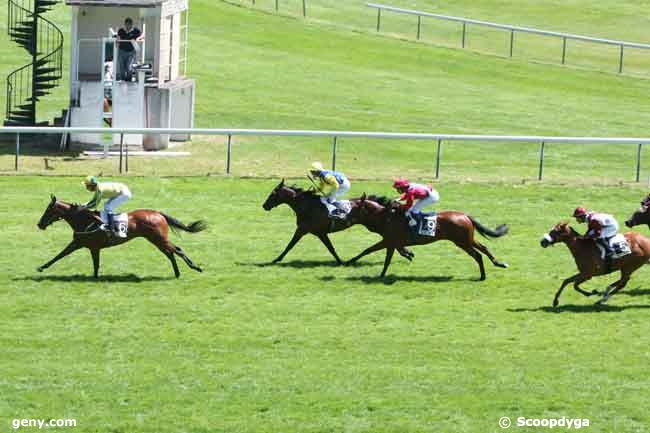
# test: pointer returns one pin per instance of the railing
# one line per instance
(332, 135)
(512, 29)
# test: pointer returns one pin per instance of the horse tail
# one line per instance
(195, 227)
(485, 232)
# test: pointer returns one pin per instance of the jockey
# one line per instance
(115, 193)
(424, 194)
(601, 227)
(332, 185)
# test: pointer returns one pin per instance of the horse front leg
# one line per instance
(376, 247)
(328, 244)
(298, 234)
(556, 300)
(389, 257)
(406, 253)
(94, 253)
(72, 246)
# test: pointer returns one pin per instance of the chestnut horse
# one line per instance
(641, 216)
(311, 217)
(590, 264)
(150, 224)
(384, 217)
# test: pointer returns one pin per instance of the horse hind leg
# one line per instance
(182, 255)
(477, 257)
(168, 250)
(482, 248)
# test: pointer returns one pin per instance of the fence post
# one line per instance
(620, 61)
(563, 49)
(419, 24)
(334, 154)
(378, 17)
(540, 176)
(229, 154)
(438, 154)
(304, 8)
(638, 162)
(17, 149)
(464, 32)
(276, 5)
(126, 158)
(512, 41)
(121, 149)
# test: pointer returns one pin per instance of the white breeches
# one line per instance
(114, 203)
(343, 188)
(433, 198)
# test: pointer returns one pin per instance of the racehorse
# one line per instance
(311, 217)
(150, 224)
(590, 264)
(382, 216)
(641, 216)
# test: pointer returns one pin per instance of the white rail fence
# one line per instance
(512, 29)
(332, 135)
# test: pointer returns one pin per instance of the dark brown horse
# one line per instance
(385, 218)
(590, 264)
(149, 224)
(311, 217)
(641, 216)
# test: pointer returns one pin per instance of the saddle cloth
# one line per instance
(342, 207)
(120, 224)
(426, 223)
(618, 245)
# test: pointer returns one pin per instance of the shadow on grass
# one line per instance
(634, 292)
(128, 278)
(301, 264)
(392, 279)
(590, 308)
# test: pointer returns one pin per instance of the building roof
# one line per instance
(114, 3)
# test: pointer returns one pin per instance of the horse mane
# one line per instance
(386, 202)
(307, 193)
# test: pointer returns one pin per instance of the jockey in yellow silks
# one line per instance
(332, 185)
(114, 193)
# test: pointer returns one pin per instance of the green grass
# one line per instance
(305, 346)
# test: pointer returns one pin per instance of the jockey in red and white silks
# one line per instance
(424, 194)
(600, 226)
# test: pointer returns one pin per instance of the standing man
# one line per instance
(126, 49)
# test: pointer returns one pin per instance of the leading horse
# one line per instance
(382, 216)
(311, 217)
(590, 264)
(149, 224)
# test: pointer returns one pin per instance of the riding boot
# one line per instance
(109, 223)
(608, 254)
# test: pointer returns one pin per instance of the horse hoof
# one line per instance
(555, 303)
(40, 269)
(502, 265)
(601, 301)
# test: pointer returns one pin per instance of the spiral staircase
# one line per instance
(44, 42)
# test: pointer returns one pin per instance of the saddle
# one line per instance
(618, 247)
(426, 224)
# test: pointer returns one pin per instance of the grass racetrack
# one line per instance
(306, 346)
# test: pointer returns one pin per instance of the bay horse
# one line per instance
(311, 217)
(641, 216)
(149, 224)
(383, 216)
(589, 262)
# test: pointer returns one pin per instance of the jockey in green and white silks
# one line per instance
(332, 185)
(114, 193)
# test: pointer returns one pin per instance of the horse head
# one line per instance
(53, 212)
(559, 233)
(278, 196)
(362, 208)
(642, 215)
